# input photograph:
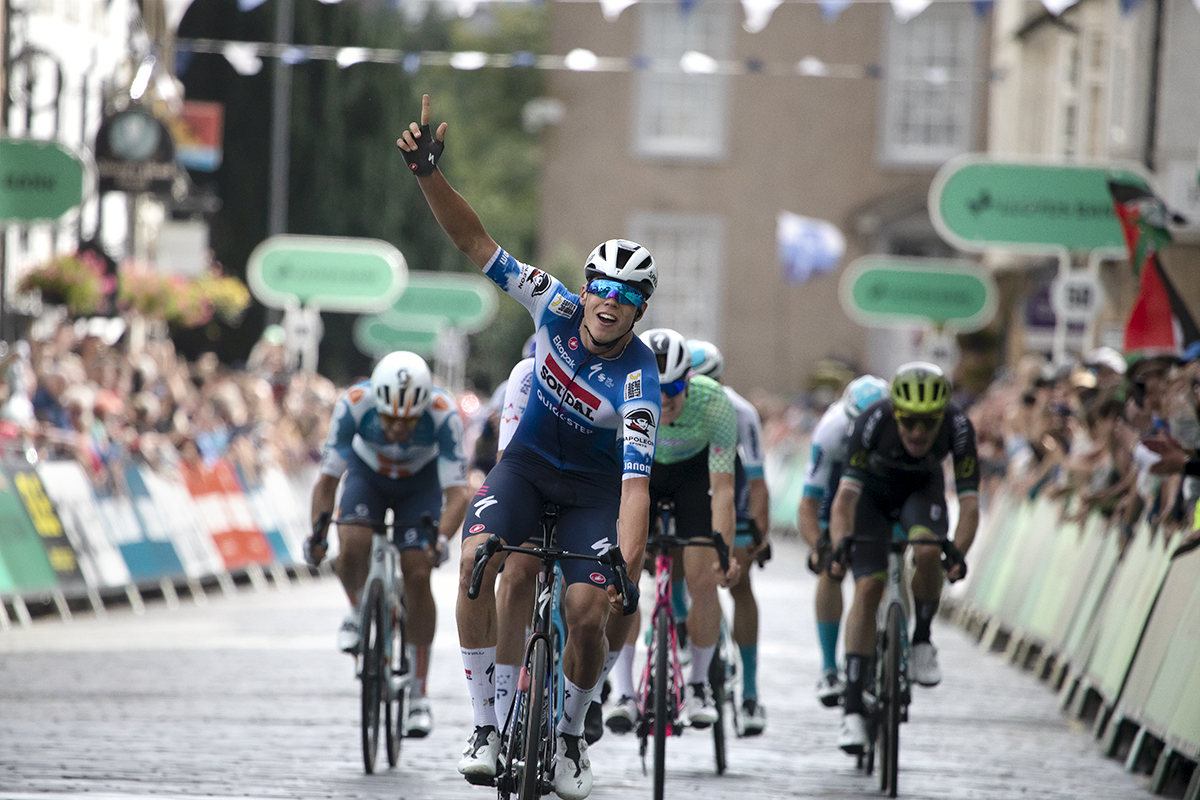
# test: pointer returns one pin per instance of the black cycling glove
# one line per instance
(423, 160)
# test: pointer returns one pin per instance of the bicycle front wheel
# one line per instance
(373, 674)
(888, 776)
(663, 687)
(536, 722)
(716, 679)
(397, 675)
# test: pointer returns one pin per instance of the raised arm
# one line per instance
(421, 149)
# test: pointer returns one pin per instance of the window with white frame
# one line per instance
(929, 85)
(688, 250)
(681, 114)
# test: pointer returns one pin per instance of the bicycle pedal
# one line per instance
(481, 780)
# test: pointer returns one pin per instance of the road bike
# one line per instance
(886, 700)
(383, 664)
(661, 691)
(528, 739)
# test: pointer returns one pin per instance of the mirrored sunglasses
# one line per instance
(624, 293)
(673, 388)
(928, 422)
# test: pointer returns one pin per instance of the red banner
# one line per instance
(225, 511)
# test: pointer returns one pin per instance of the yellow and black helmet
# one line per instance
(919, 387)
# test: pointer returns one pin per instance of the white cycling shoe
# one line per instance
(829, 689)
(924, 666)
(853, 736)
(699, 711)
(420, 718)
(482, 753)
(572, 768)
(622, 716)
(348, 635)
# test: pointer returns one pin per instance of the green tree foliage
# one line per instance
(347, 178)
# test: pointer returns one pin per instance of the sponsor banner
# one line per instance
(264, 515)
(172, 508)
(87, 528)
(225, 512)
(24, 554)
(139, 531)
(290, 495)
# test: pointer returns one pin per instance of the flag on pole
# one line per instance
(1160, 320)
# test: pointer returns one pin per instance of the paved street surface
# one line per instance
(247, 697)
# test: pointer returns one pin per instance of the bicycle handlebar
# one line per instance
(612, 558)
(950, 554)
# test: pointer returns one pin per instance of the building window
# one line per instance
(688, 250)
(680, 114)
(929, 85)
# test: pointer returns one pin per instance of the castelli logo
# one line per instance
(597, 578)
(477, 528)
(573, 343)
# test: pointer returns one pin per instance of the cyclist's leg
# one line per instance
(868, 563)
(363, 500)
(924, 517)
(423, 495)
(514, 599)
(829, 604)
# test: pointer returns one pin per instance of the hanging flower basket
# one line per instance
(76, 281)
(179, 301)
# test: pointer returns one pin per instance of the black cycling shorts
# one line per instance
(685, 483)
(882, 506)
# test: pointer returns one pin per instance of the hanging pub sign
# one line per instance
(135, 153)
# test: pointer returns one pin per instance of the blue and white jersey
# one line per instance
(586, 413)
(828, 448)
(749, 435)
(355, 429)
(516, 398)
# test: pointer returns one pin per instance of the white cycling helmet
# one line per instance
(862, 392)
(706, 358)
(401, 384)
(671, 350)
(625, 261)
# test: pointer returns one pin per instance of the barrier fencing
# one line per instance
(1111, 622)
(67, 543)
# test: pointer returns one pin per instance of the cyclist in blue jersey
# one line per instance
(821, 478)
(398, 441)
(585, 443)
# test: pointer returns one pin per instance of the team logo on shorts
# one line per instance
(362, 510)
(597, 578)
(573, 343)
(477, 528)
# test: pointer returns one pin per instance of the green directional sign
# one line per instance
(978, 203)
(38, 180)
(883, 291)
(331, 272)
(464, 301)
(378, 334)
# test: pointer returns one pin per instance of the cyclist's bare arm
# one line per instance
(841, 518)
(454, 509)
(809, 521)
(964, 531)
(324, 494)
(633, 524)
(450, 209)
(724, 518)
(760, 507)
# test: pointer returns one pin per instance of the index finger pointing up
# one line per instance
(424, 109)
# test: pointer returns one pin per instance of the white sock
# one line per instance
(506, 690)
(609, 660)
(574, 710)
(701, 659)
(480, 666)
(622, 672)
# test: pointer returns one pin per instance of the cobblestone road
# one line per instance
(247, 697)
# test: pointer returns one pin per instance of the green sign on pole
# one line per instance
(331, 272)
(376, 335)
(883, 291)
(39, 180)
(461, 300)
(978, 203)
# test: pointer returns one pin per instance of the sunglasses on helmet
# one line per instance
(929, 422)
(623, 292)
(673, 388)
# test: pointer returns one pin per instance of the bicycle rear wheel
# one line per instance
(663, 686)
(536, 727)
(716, 679)
(373, 669)
(396, 674)
(891, 711)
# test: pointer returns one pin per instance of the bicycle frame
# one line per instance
(663, 565)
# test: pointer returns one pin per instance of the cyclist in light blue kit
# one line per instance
(585, 443)
(398, 441)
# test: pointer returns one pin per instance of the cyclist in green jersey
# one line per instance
(697, 445)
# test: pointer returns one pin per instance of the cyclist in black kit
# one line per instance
(894, 475)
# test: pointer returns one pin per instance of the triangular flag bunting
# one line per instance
(907, 9)
(758, 13)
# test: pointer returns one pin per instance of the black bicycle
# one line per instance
(661, 693)
(528, 739)
(885, 706)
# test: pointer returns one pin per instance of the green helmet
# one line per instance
(919, 387)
